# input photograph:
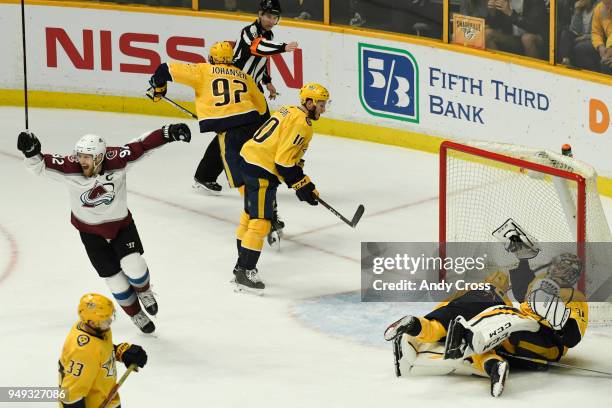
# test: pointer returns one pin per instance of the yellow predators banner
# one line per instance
(469, 31)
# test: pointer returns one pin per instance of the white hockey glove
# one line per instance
(516, 240)
(544, 301)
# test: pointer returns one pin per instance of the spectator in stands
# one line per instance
(474, 8)
(601, 34)
(575, 46)
(304, 9)
(517, 26)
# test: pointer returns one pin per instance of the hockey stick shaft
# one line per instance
(179, 107)
(351, 223)
(554, 364)
(25, 70)
(171, 102)
(115, 389)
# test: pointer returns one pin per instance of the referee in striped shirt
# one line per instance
(251, 54)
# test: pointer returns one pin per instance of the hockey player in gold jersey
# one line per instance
(482, 331)
(87, 364)
(272, 156)
(227, 101)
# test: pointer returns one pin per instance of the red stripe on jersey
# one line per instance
(63, 164)
(107, 230)
(118, 157)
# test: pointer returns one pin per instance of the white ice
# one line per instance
(216, 348)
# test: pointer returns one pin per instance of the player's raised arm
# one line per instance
(54, 166)
(137, 149)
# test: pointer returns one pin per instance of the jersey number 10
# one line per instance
(221, 87)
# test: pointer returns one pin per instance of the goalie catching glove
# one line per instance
(28, 144)
(545, 302)
(178, 132)
(516, 240)
(306, 191)
(130, 354)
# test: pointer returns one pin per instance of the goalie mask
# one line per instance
(565, 270)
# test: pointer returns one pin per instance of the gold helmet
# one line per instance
(313, 91)
(221, 53)
(97, 310)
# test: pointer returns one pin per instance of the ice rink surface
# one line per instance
(308, 342)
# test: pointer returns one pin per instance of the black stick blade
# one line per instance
(357, 215)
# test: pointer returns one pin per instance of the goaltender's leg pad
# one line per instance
(254, 237)
(419, 358)
(495, 324)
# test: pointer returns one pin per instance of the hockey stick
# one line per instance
(25, 71)
(553, 363)
(115, 389)
(356, 217)
(171, 102)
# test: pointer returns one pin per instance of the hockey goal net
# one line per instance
(552, 196)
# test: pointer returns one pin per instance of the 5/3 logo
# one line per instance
(389, 82)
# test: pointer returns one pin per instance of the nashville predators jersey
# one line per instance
(225, 97)
(87, 367)
(281, 141)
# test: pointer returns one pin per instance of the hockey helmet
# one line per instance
(221, 53)
(90, 144)
(313, 91)
(96, 310)
(565, 270)
(270, 6)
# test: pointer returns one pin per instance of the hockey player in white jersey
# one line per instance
(96, 178)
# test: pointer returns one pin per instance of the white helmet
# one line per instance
(91, 144)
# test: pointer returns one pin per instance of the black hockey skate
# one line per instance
(498, 372)
(248, 280)
(142, 321)
(147, 298)
(208, 187)
(407, 324)
(456, 340)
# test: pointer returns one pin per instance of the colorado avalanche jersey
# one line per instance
(98, 204)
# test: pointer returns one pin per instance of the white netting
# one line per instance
(482, 193)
